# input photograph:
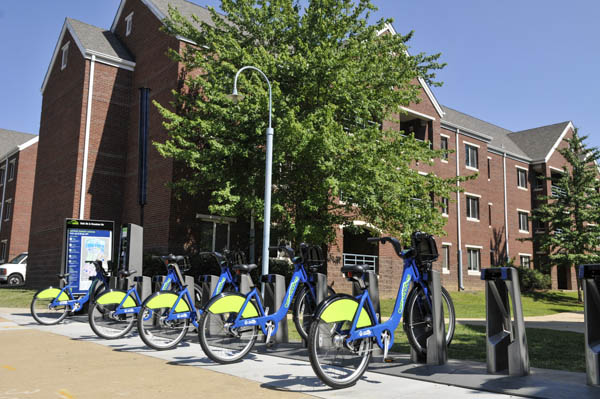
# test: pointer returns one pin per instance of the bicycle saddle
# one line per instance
(244, 268)
(354, 269)
(126, 273)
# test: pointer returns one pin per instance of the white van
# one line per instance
(13, 272)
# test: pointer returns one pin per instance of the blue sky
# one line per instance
(518, 64)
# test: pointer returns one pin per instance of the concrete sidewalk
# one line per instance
(69, 361)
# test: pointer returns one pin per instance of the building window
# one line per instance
(525, 261)
(445, 258)
(7, 209)
(445, 206)
(3, 248)
(472, 208)
(444, 146)
(538, 182)
(128, 24)
(490, 214)
(65, 56)
(489, 169)
(2, 175)
(471, 156)
(11, 170)
(523, 222)
(521, 178)
(473, 259)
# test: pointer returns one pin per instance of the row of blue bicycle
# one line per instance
(342, 331)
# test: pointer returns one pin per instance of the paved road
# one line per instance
(68, 361)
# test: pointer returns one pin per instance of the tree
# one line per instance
(334, 81)
(570, 213)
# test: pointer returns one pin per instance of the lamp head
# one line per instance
(235, 96)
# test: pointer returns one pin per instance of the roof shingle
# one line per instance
(99, 40)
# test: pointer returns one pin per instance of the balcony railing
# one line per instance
(557, 191)
(360, 259)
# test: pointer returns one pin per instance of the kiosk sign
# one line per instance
(86, 241)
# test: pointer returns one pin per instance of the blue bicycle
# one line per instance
(167, 314)
(51, 305)
(230, 323)
(344, 328)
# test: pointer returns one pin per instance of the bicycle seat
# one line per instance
(64, 275)
(354, 269)
(244, 268)
(126, 273)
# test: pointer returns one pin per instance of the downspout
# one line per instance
(460, 259)
(86, 144)
(3, 191)
(505, 206)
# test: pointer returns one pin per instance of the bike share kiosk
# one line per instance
(590, 280)
(130, 259)
(506, 342)
(313, 261)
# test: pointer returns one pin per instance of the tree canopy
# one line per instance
(334, 82)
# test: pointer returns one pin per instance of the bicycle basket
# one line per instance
(425, 248)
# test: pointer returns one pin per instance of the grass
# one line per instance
(472, 304)
(15, 297)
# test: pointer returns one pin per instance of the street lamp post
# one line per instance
(267, 216)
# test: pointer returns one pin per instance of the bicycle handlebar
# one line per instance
(287, 249)
(392, 240)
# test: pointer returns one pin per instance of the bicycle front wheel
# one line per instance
(42, 310)
(103, 320)
(219, 341)
(155, 330)
(418, 319)
(336, 362)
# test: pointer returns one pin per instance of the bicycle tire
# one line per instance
(49, 316)
(157, 333)
(336, 363)
(220, 343)
(418, 321)
(304, 309)
(104, 323)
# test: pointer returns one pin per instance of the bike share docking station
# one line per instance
(590, 280)
(130, 261)
(437, 349)
(506, 342)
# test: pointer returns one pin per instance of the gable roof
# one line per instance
(498, 136)
(92, 41)
(10, 139)
(160, 9)
(540, 142)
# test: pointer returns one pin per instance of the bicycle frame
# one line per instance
(76, 304)
(410, 274)
(299, 277)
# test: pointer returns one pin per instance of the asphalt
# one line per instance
(126, 368)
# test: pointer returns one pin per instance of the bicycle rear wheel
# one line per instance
(304, 309)
(45, 314)
(155, 330)
(219, 341)
(104, 322)
(418, 320)
(337, 363)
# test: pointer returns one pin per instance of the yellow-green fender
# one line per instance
(232, 303)
(51, 293)
(167, 300)
(344, 309)
(115, 297)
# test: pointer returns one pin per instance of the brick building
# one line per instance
(17, 169)
(96, 114)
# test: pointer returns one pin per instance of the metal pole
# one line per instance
(268, 171)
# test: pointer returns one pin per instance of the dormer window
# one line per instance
(128, 24)
(65, 56)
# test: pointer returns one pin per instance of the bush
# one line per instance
(530, 279)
